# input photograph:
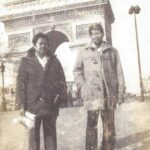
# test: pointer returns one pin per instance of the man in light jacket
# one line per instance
(99, 78)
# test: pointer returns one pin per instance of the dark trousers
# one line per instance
(49, 133)
(109, 136)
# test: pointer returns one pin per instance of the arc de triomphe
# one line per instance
(61, 20)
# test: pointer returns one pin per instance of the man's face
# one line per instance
(97, 37)
(41, 46)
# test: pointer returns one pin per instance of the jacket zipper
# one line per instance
(103, 76)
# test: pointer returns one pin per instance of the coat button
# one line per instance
(97, 86)
(96, 73)
(41, 99)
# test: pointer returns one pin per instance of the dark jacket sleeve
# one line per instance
(21, 87)
(62, 87)
(121, 81)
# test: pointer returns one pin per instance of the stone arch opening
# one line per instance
(56, 38)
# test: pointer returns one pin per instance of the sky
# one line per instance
(123, 38)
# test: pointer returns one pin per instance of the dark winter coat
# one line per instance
(37, 87)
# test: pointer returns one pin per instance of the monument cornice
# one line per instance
(55, 10)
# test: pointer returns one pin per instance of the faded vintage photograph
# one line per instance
(74, 75)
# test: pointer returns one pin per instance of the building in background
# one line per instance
(64, 21)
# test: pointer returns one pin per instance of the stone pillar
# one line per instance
(100, 12)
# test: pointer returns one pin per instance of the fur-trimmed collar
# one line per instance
(31, 52)
(105, 46)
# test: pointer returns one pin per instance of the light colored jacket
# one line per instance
(93, 68)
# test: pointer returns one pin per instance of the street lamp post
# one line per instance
(3, 88)
(136, 10)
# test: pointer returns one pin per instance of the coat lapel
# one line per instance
(49, 62)
(35, 62)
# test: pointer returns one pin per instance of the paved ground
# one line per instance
(132, 126)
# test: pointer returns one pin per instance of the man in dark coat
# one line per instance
(99, 78)
(41, 89)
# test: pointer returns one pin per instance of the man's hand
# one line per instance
(21, 111)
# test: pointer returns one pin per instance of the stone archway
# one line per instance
(56, 38)
(59, 44)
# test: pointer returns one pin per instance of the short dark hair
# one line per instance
(96, 26)
(39, 35)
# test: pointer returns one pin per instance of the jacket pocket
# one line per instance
(90, 92)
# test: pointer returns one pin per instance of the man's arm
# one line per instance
(121, 82)
(78, 71)
(21, 87)
(61, 98)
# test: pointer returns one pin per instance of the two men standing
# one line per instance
(41, 89)
(99, 77)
